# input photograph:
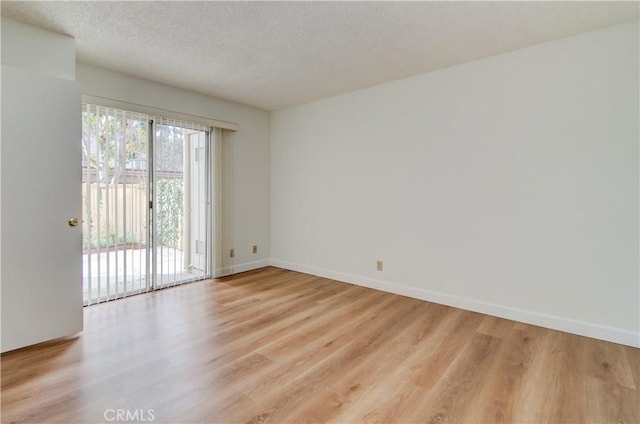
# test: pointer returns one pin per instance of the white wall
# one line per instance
(250, 151)
(39, 50)
(507, 185)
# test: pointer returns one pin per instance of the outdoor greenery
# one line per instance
(170, 213)
(169, 186)
(112, 144)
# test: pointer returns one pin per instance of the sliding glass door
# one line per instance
(145, 205)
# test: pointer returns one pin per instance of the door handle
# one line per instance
(73, 222)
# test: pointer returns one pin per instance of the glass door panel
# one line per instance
(145, 203)
(115, 186)
(180, 206)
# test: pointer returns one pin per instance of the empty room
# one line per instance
(320, 212)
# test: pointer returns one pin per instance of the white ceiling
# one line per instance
(276, 54)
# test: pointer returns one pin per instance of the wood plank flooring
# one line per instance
(276, 346)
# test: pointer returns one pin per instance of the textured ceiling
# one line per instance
(277, 54)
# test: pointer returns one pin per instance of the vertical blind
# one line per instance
(146, 190)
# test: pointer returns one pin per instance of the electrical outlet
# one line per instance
(379, 265)
(232, 253)
(255, 248)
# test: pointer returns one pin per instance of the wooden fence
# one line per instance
(114, 214)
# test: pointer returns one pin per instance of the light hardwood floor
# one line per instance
(278, 346)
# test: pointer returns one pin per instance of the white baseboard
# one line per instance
(582, 328)
(248, 266)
